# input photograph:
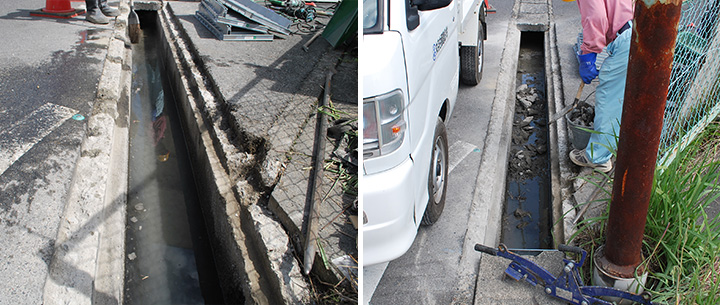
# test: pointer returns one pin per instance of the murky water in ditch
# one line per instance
(168, 257)
(527, 215)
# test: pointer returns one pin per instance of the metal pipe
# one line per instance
(306, 46)
(648, 77)
(314, 194)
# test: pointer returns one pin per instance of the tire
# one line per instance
(437, 178)
(472, 59)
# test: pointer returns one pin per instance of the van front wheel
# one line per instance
(437, 178)
(471, 60)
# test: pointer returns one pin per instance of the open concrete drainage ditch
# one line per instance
(194, 234)
(537, 201)
(527, 217)
(168, 252)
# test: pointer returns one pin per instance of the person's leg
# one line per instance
(91, 4)
(94, 14)
(609, 97)
(108, 10)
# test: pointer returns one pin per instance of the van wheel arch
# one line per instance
(443, 111)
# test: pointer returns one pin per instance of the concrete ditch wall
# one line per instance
(254, 257)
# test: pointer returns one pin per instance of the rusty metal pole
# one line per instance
(651, 52)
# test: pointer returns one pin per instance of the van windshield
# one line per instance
(370, 15)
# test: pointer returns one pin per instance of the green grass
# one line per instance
(686, 239)
(682, 242)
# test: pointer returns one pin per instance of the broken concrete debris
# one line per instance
(580, 121)
(584, 115)
(520, 213)
(528, 142)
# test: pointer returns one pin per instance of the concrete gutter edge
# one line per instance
(487, 201)
(88, 262)
(484, 223)
(562, 186)
(246, 232)
(558, 134)
(110, 274)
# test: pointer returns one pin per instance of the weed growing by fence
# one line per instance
(682, 238)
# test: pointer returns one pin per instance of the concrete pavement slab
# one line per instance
(494, 287)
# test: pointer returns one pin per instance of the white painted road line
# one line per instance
(457, 152)
(371, 279)
(21, 137)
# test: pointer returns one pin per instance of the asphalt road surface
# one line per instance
(429, 272)
(49, 70)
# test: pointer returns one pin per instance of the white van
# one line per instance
(413, 56)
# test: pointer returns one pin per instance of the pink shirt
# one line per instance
(601, 20)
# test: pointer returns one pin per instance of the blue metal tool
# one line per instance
(568, 286)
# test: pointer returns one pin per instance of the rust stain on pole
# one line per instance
(651, 53)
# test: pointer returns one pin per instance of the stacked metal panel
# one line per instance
(240, 20)
(260, 14)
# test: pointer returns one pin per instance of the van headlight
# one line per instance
(384, 123)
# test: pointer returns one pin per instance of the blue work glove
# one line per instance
(588, 71)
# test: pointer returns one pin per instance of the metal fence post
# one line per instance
(651, 53)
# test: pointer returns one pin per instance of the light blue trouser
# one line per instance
(609, 97)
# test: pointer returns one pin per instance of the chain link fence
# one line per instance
(694, 91)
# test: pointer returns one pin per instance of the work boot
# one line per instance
(108, 10)
(96, 16)
(578, 157)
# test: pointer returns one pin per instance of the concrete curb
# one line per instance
(573, 192)
(222, 200)
(280, 256)
(575, 189)
(560, 167)
(87, 265)
(484, 223)
(244, 232)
